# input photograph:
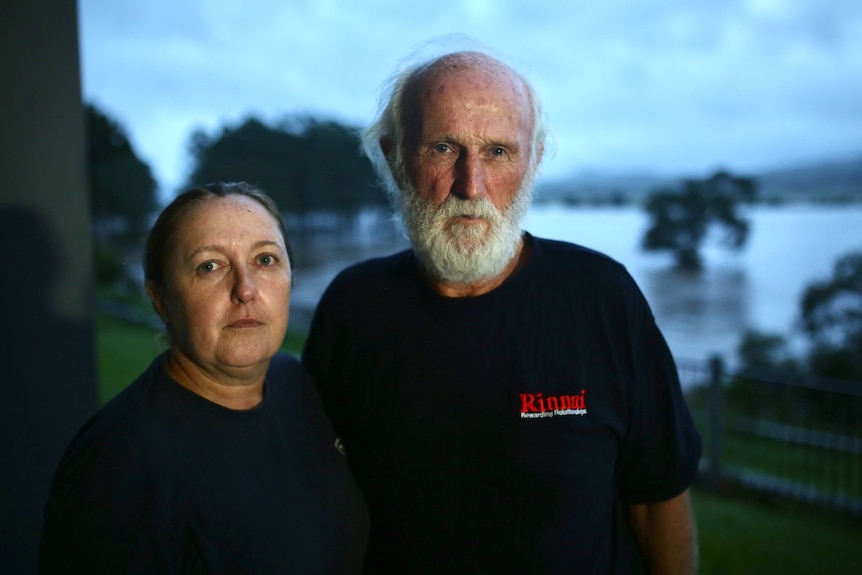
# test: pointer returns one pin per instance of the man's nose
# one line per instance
(469, 177)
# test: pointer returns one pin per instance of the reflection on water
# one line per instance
(318, 265)
(700, 314)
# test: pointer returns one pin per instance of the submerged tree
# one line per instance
(682, 218)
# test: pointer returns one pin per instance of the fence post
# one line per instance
(715, 429)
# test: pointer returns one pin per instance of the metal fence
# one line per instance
(792, 435)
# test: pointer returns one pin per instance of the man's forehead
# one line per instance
(481, 85)
(469, 67)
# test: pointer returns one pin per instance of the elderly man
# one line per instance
(506, 402)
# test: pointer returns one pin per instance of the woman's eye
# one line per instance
(208, 267)
(266, 260)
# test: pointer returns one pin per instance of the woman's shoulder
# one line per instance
(125, 419)
(114, 445)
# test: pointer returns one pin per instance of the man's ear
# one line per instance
(157, 301)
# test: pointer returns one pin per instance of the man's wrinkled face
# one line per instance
(467, 176)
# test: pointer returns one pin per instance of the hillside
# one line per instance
(836, 181)
(829, 182)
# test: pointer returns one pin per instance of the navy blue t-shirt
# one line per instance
(504, 433)
(161, 480)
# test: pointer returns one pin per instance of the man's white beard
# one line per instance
(456, 252)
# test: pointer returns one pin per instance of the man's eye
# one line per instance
(208, 267)
(498, 152)
(266, 260)
(442, 148)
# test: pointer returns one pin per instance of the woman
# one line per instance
(218, 458)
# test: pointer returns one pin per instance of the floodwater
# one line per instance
(700, 314)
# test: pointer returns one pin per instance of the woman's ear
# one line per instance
(385, 145)
(157, 301)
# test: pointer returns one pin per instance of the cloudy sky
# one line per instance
(659, 86)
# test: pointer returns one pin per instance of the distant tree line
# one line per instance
(316, 173)
(307, 165)
(122, 195)
(830, 318)
(314, 169)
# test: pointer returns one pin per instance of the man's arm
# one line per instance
(666, 534)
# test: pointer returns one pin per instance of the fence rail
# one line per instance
(796, 436)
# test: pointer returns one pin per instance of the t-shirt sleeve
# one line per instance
(660, 452)
(99, 518)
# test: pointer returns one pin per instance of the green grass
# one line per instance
(743, 535)
(833, 472)
(802, 464)
(123, 351)
(736, 535)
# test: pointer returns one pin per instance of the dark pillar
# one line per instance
(47, 374)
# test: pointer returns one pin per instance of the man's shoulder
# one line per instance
(287, 378)
(372, 270)
(284, 366)
(572, 254)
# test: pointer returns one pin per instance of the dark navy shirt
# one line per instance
(508, 432)
(161, 480)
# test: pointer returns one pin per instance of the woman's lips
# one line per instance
(245, 323)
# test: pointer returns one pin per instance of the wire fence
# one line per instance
(792, 435)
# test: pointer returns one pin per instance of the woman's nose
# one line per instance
(245, 288)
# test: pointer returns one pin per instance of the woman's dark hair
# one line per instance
(161, 238)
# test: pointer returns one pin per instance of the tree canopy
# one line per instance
(122, 194)
(122, 188)
(306, 165)
(681, 218)
(830, 314)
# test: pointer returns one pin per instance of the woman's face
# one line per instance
(228, 286)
